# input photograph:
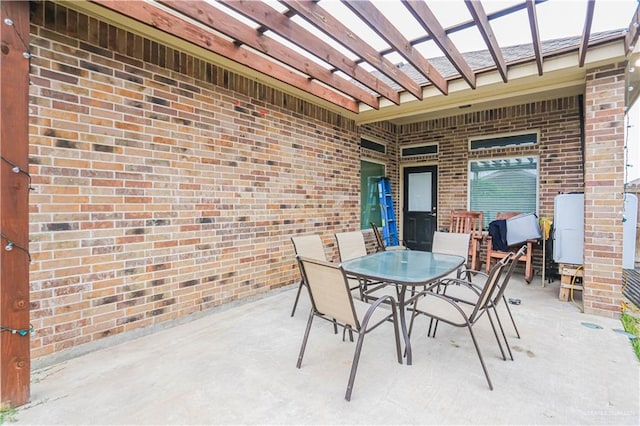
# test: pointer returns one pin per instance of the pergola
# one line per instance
(311, 50)
(372, 60)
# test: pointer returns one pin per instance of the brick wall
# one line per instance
(165, 185)
(604, 189)
(559, 149)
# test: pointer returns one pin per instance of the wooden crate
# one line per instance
(567, 274)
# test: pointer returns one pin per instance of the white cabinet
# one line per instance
(568, 225)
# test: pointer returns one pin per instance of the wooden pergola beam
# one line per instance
(15, 360)
(586, 33)
(149, 14)
(430, 23)
(535, 33)
(482, 21)
(335, 29)
(218, 20)
(282, 25)
(385, 29)
(631, 38)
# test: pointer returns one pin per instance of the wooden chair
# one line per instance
(527, 258)
(469, 222)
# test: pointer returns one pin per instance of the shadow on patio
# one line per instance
(237, 366)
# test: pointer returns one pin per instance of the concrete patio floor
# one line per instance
(236, 365)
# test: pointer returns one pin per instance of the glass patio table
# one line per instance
(404, 269)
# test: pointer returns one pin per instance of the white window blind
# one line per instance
(503, 185)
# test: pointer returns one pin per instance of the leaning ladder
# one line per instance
(389, 225)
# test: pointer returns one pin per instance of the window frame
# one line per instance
(374, 141)
(501, 136)
(536, 156)
(384, 165)
(419, 145)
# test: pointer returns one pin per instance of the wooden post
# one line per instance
(15, 362)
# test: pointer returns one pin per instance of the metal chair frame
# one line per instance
(332, 300)
(466, 315)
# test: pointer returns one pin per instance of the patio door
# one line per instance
(419, 206)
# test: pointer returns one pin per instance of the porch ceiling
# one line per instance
(399, 61)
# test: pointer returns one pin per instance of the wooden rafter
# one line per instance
(631, 38)
(482, 22)
(385, 29)
(149, 14)
(586, 33)
(469, 24)
(331, 26)
(322, 68)
(282, 25)
(215, 18)
(430, 23)
(535, 34)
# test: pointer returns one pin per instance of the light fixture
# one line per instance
(8, 22)
(9, 246)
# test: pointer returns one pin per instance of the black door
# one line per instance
(419, 209)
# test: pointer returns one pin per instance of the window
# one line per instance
(503, 185)
(514, 139)
(374, 146)
(370, 173)
(419, 150)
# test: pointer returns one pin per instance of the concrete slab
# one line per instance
(237, 366)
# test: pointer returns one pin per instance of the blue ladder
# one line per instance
(389, 225)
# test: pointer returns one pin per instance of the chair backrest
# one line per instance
(351, 245)
(486, 295)
(451, 243)
(379, 242)
(329, 290)
(309, 246)
(506, 215)
(507, 275)
(464, 221)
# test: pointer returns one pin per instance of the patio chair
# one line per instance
(352, 245)
(380, 246)
(469, 222)
(493, 253)
(440, 307)
(463, 294)
(308, 246)
(451, 243)
(331, 300)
